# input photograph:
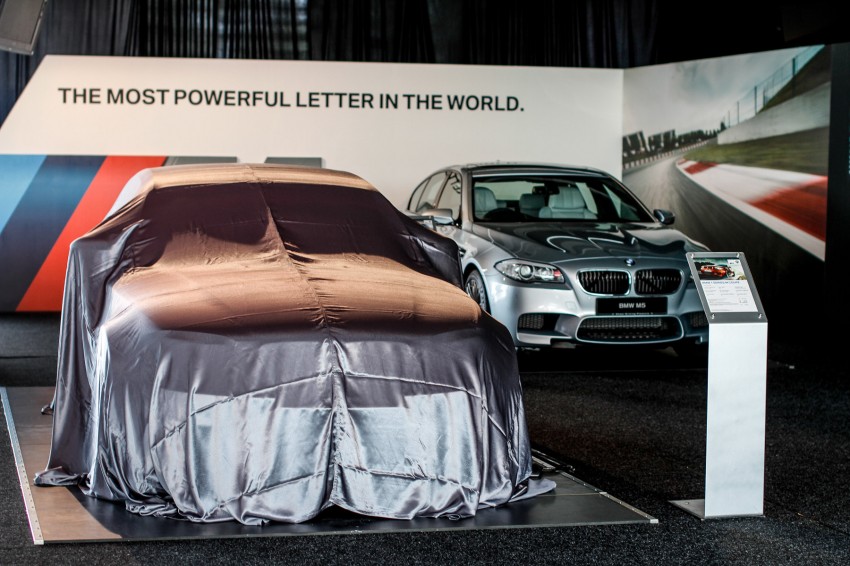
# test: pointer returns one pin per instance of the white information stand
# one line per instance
(737, 388)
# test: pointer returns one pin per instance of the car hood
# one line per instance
(557, 241)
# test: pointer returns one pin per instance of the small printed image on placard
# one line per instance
(725, 286)
(720, 268)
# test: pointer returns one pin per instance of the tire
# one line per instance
(474, 286)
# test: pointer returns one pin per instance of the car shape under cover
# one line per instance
(261, 342)
(565, 255)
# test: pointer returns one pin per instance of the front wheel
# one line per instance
(475, 288)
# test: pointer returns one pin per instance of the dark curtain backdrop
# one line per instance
(568, 33)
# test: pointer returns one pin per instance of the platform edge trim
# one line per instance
(23, 478)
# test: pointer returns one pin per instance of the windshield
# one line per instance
(546, 197)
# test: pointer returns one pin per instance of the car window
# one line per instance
(429, 194)
(450, 197)
(615, 204)
(417, 194)
(547, 196)
(624, 210)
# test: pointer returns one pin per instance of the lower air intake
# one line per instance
(628, 329)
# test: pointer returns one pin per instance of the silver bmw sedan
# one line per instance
(566, 255)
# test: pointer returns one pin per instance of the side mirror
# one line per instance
(664, 216)
(439, 216)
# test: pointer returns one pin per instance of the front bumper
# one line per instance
(542, 315)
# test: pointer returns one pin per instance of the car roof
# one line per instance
(513, 166)
(199, 174)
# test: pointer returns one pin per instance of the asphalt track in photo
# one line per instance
(783, 270)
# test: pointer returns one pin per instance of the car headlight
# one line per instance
(527, 272)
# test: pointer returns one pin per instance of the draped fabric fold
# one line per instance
(258, 343)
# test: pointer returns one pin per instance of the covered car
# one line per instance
(261, 342)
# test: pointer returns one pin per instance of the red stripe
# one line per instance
(45, 291)
(803, 206)
(699, 167)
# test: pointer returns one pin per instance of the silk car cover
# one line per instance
(258, 343)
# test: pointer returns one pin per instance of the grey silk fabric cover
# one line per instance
(258, 343)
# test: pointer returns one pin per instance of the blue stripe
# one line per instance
(37, 221)
(16, 174)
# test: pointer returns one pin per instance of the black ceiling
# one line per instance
(687, 31)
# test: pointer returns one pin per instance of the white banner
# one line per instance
(392, 124)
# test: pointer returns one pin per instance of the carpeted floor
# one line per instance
(631, 423)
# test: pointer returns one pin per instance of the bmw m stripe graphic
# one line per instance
(45, 203)
(18, 171)
(38, 219)
(45, 291)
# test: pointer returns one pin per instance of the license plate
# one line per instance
(648, 305)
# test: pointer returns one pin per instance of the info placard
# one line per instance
(725, 285)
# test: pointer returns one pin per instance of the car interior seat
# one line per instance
(531, 204)
(566, 203)
(485, 201)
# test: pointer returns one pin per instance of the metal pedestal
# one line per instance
(735, 415)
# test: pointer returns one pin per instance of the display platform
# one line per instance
(65, 515)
